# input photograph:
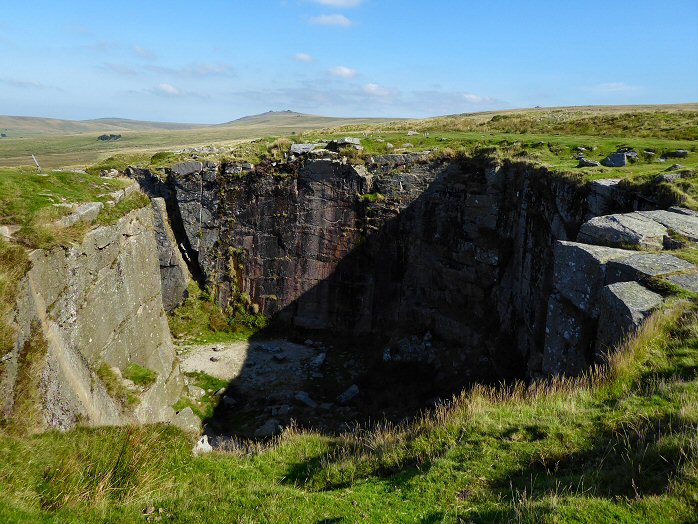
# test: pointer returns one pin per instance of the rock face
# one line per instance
(465, 266)
(373, 252)
(94, 308)
(174, 274)
(196, 194)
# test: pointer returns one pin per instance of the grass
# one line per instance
(141, 142)
(619, 444)
(674, 123)
(27, 199)
(28, 395)
(13, 266)
(139, 375)
(203, 407)
(77, 146)
(200, 320)
(115, 386)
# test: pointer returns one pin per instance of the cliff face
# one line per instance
(460, 264)
(444, 262)
(84, 314)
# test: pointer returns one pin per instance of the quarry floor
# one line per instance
(273, 382)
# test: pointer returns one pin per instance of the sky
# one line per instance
(211, 61)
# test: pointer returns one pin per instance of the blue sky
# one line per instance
(212, 61)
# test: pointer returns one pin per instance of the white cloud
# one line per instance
(343, 72)
(195, 70)
(338, 20)
(25, 84)
(376, 90)
(340, 3)
(167, 90)
(614, 87)
(476, 99)
(119, 69)
(303, 57)
(143, 53)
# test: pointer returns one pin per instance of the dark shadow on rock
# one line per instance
(156, 187)
(411, 299)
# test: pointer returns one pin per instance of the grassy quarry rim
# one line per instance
(439, 465)
(619, 443)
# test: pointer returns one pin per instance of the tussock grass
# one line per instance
(28, 396)
(113, 473)
(658, 122)
(115, 386)
(618, 443)
(139, 375)
(13, 265)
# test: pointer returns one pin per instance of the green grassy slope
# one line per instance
(26, 126)
(78, 148)
(616, 446)
(59, 143)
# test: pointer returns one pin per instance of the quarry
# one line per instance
(330, 312)
(386, 287)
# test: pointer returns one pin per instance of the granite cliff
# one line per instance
(459, 264)
(85, 315)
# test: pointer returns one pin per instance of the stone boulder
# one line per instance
(202, 446)
(585, 162)
(302, 149)
(643, 266)
(603, 195)
(687, 281)
(629, 229)
(83, 213)
(579, 271)
(351, 393)
(270, 428)
(618, 159)
(622, 308)
(186, 168)
(685, 224)
(336, 145)
(186, 420)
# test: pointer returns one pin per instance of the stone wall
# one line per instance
(98, 307)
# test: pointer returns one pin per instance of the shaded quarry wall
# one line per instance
(85, 307)
(446, 262)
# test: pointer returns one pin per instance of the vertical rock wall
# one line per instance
(98, 307)
(455, 263)
(448, 262)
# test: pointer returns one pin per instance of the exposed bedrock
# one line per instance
(84, 315)
(465, 265)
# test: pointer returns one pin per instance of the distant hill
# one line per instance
(141, 125)
(291, 119)
(26, 126)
